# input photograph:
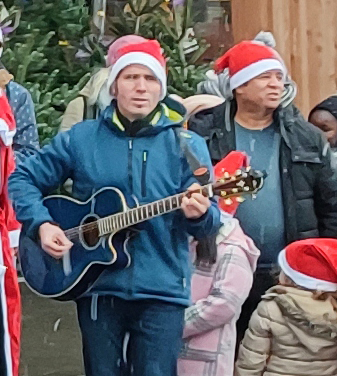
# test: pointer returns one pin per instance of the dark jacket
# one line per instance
(150, 166)
(308, 172)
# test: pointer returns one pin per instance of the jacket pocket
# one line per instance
(144, 166)
(180, 269)
(305, 165)
(306, 157)
(190, 353)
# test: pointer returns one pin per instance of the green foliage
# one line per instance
(40, 53)
(54, 29)
(50, 103)
(171, 27)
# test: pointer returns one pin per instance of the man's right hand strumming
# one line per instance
(54, 240)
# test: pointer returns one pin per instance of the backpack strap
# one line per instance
(201, 173)
(85, 107)
(206, 249)
(89, 112)
(95, 111)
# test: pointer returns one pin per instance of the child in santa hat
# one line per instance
(10, 309)
(294, 329)
(219, 287)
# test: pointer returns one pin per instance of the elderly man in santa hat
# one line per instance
(134, 146)
(299, 198)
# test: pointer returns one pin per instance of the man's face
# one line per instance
(137, 91)
(327, 123)
(263, 91)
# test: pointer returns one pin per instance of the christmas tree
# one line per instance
(56, 29)
(41, 54)
(43, 51)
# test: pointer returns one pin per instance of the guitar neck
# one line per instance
(131, 217)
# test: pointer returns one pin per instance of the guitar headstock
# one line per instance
(245, 181)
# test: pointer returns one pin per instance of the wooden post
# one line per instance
(306, 37)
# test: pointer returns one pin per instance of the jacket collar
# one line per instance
(281, 118)
(169, 114)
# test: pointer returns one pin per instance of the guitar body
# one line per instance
(70, 277)
(108, 212)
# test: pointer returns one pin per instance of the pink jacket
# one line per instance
(218, 292)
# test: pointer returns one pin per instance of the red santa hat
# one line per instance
(234, 161)
(311, 263)
(7, 121)
(247, 60)
(149, 54)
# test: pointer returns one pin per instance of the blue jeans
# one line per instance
(155, 329)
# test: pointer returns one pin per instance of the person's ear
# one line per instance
(113, 89)
(238, 90)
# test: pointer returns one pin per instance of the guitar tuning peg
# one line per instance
(248, 168)
(226, 175)
(228, 201)
(240, 199)
(223, 193)
(253, 197)
(238, 172)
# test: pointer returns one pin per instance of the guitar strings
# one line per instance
(75, 231)
(91, 226)
(71, 233)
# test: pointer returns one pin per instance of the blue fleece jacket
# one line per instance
(150, 166)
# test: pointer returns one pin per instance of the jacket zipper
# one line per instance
(144, 164)
(130, 148)
(130, 166)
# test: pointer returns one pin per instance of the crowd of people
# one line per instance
(220, 287)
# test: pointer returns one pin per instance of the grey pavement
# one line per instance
(51, 342)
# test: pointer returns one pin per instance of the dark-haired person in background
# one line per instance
(324, 116)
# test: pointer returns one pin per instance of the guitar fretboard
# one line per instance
(120, 221)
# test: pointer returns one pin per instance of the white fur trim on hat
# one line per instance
(254, 70)
(303, 280)
(141, 58)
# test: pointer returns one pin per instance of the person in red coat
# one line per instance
(10, 304)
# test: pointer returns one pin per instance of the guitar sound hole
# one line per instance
(90, 235)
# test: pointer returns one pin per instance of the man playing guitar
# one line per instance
(133, 147)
